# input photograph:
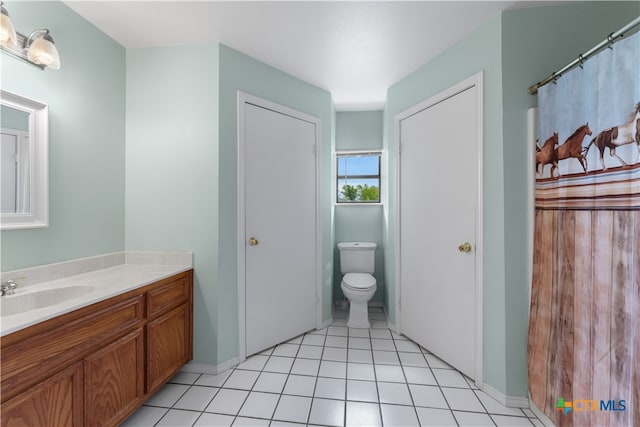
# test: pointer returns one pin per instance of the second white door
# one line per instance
(280, 226)
(438, 200)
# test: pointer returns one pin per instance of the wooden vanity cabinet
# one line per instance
(96, 365)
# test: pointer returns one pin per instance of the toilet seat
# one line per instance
(359, 281)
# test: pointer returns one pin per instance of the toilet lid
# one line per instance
(359, 280)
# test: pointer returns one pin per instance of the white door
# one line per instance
(280, 221)
(438, 203)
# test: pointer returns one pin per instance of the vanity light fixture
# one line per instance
(38, 49)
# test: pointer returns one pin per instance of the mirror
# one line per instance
(24, 162)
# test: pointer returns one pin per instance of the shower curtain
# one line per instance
(584, 330)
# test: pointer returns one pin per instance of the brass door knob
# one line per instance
(465, 247)
(253, 241)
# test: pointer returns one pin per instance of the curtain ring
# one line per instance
(611, 41)
(581, 60)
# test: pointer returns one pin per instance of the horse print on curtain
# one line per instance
(584, 328)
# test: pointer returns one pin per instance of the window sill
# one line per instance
(358, 204)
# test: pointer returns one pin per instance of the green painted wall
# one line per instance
(172, 168)
(86, 99)
(514, 53)
(359, 130)
(10, 118)
(240, 72)
(528, 56)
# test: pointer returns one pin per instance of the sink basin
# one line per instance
(16, 304)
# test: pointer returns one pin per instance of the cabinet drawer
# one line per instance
(33, 359)
(167, 296)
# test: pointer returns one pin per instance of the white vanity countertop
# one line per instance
(107, 282)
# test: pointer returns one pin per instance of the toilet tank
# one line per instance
(357, 257)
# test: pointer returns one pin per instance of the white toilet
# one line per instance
(357, 262)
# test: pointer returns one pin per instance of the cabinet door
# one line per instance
(55, 402)
(168, 345)
(114, 381)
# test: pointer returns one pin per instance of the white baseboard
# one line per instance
(541, 415)
(205, 368)
(508, 401)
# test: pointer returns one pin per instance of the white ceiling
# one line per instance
(355, 50)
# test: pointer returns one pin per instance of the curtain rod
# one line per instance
(610, 40)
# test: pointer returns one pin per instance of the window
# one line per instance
(358, 177)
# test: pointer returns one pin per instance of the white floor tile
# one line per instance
(463, 400)
(250, 422)
(305, 367)
(214, 420)
(536, 422)
(528, 412)
(227, 401)
(144, 416)
(243, 380)
(358, 333)
(408, 347)
(300, 385)
(473, 419)
(279, 364)
(494, 407)
(330, 388)
(335, 354)
(267, 352)
(333, 369)
(196, 398)
(360, 343)
(398, 337)
(296, 340)
(363, 414)
(339, 321)
(395, 415)
(327, 412)
(389, 373)
(376, 316)
(335, 341)
(427, 395)
(270, 382)
(361, 371)
(254, 363)
(382, 344)
(184, 378)
(213, 380)
(178, 417)
(341, 331)
(322, 331)
(385, 357)
(394, 393)
(436, 362)
(313, 340)
(259, 405)
(310, 352)
(435, 417)
(360, 356)
(380, 334)
(287, 350)
(285, 424)
(450, 378)
(167, 396)
(507, 421)
(365, 391)
(378, 324)
(413, 359)
(417, 375)
(293, 408)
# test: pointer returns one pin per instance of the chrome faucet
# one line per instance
(8, 287)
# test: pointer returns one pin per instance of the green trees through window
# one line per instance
(358, 179)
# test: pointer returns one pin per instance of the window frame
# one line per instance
(369, 153)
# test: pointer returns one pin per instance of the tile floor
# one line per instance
(337, 376)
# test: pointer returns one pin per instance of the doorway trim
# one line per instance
(477, 81)
(244, 99)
